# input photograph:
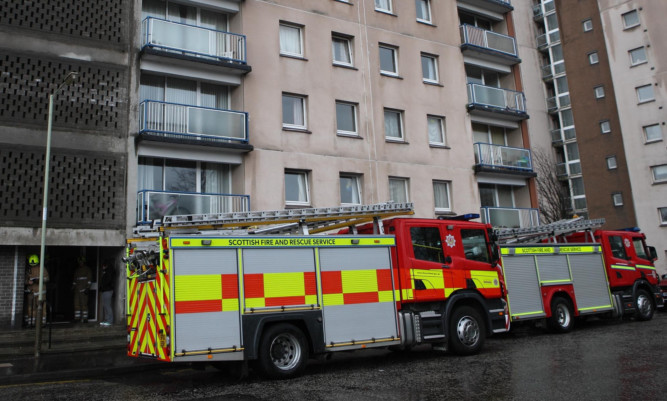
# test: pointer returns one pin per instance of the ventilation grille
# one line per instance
(85, 191)
(94, 102)
(97, 20)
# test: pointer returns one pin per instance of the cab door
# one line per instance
(622, 266)
(429, 265)
(641, 259)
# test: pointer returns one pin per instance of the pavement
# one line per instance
(68, 352)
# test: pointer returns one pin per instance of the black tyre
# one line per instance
(562, 318)
(282, 352)
(644, 305)
(466, 331)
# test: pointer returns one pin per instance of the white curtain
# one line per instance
(153, 8)
(290, 39)
(392, 124)
(422, 10)
(296, 189)
(293, 110)
(398, 190)
(383, 4)
(216, 96)
(441, 195)
(435, 134)
(341, 50)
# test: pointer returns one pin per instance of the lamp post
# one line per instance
(69, 79)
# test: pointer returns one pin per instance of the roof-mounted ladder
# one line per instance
(539, 233)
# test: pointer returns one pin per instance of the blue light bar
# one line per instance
(465, 217)
(631, 229)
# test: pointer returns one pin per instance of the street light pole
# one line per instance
(69, 79)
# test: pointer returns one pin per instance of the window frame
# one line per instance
(390, 10)
(428, 7)
(354, 117)
(448, 192)
(610, 160)
(394, 55)
(348, 42)
(357, 186)
(638, 91)
(301, 173)
(443, 132)
(302, 98)
(656, 180)
(599, 92)
(644, 61)
(401, 132)
(405, 183)
(662, 214)
(593, 58)
(605, 126)
(646, 138)
(617, 199)
(631, 12)
(587, 25)
(299, 28)
(434, 60)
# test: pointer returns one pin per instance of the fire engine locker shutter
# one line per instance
(206, 314)
(590, 283)
(523, 288)
(553, 269)
(356, 313)
(283, 277)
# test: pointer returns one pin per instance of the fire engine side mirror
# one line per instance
(652, 254)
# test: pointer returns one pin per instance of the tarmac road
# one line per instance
(599, 360)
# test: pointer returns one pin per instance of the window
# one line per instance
(640, 250)
(426, 244)
(617, 248)
(436, 130)
(423, 10)
(588, 25)
(653, 133)
(296, 188)
(599, 92)
(611, 163)
(659, 173)
(429, 68)
(294, 111)
(630, 19)
(618, 199)
(474, 245)
(393, 125)
(662, 212)
(291, 43)
(383, 5)
(441, 196)
(342, 50)
(350, 189)
(645, 93)
(593, 58)
(638, 56)
(346, 118)
(388, 62)
(398, 190)
(605, 127)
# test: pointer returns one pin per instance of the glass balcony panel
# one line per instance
(556, 136)
(496, 97)
(193, 40)
(487, 39)
(561, 170)
(503, 156)
(575, 168)
(154, 205)
(503, 217)
(569, 133)
(183, 120)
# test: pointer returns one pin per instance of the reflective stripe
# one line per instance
(263, 290)
(621, 267)
(206, 293)
(318, 241)
(485, 278)
(647, 267)
(349, 287)
(579, 249)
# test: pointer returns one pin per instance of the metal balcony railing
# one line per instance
(184, 121)
(558, 135)
(193, 40)
(505, 157)
(561, 170)
(556, 103)
(551, 70)
(547, 39)
(506, 217)
(539, 12)
(503, 99)
(471, 35)
(154, 205)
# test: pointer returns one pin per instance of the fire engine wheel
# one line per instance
(466, 331)
(561, 320)
(644, 306)
(282, 352)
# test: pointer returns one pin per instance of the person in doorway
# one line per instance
(81, 287)
(32, 290)
(106, 288)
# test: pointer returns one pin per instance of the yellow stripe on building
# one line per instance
(197, 288)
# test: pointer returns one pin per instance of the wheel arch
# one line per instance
(468, 298)
(310, 324)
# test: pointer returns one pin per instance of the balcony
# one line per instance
(539, 12)
(557, 103)
(559, 136)
(489, 46)
(172, 122)
(194, 43)
(494, 102)
(506, 159)
(545, 40)
(154, 205)
(500, 7)
(549, 71)
(505, 217)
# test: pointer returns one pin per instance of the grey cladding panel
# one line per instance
(204, 261)
(590, 282)
(359, 322)
(334, 259)
(553, 267)
(200, 331)
(278, 260)
(522, 285)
